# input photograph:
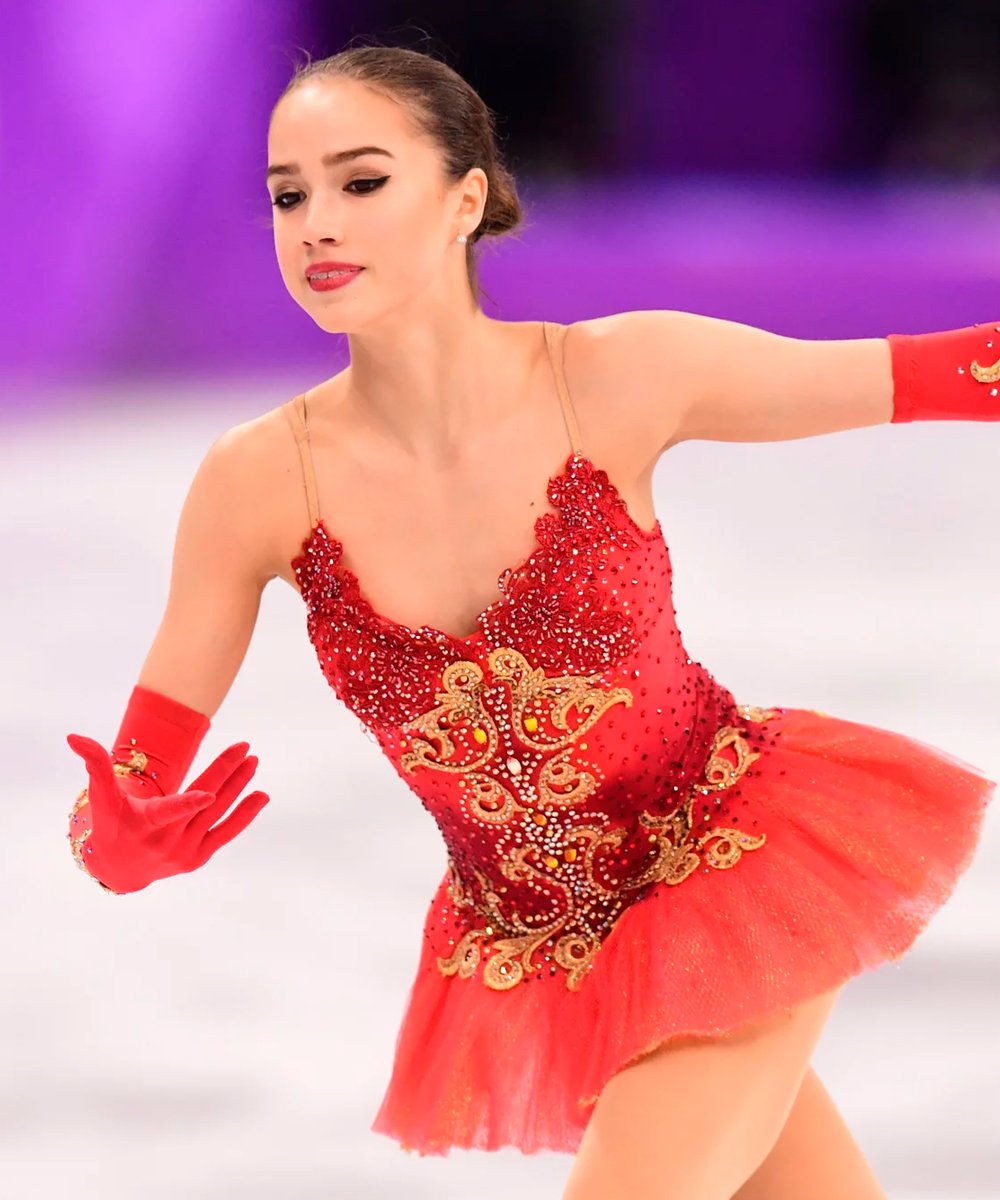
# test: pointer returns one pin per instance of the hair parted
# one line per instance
(442, 106)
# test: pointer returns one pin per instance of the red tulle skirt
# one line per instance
(867, 833)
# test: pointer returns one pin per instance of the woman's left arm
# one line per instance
(709, 378)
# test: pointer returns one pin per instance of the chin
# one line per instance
(338, 326)
(333, 321)
(329, 318)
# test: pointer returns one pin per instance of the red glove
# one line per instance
(953, 375)
(130, 825)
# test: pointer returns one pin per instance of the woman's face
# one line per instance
(389, 212)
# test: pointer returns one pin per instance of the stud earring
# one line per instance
(461, 239)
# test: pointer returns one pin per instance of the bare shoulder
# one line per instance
(627, 369)
(252, 464)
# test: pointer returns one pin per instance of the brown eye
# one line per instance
(366, 186)
(370, 185)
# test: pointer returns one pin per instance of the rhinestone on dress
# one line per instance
(566, 783)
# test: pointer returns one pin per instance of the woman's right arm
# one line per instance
(218, 574)
(122, 829)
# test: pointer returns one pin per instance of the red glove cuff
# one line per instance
(952, 375)
(158, 740)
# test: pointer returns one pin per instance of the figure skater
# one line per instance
(653, 893)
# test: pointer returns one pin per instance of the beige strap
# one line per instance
(555, 340)
(295, 411)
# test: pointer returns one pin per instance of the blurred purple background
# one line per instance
(822, 168)
(827, 169)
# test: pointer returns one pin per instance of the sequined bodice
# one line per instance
(553, 602)
(569, 749)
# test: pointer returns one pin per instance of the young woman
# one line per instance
(653, 893)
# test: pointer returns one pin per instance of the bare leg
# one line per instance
(815, 1155)
(695, 1118)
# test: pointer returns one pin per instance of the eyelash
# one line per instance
(376, 184)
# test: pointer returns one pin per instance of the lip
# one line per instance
(333, 283)
(331, 266)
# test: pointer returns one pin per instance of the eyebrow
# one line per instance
(328, 160)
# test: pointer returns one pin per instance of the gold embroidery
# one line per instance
(460, 735)
(985, 374)
(570, 883)
(511, 955)
(135, 764)
(463, 700)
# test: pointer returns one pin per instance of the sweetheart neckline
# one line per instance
(437, 634)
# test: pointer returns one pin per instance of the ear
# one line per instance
(471, 192)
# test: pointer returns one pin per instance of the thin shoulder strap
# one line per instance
(295, 411)
(555, 339)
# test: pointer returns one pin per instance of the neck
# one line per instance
(430, 387)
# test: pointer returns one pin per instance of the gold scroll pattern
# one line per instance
(528, 786)
(535, 770)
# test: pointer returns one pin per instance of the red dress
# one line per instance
(632, 855)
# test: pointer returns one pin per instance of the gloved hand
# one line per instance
(133, 839)
(947, 375)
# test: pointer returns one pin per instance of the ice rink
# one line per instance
(228, 1034)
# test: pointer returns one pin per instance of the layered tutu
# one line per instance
(866, 833)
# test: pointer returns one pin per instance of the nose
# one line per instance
(320, 222)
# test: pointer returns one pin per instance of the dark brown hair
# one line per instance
(444, 107)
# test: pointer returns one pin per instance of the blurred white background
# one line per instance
(229, 1033)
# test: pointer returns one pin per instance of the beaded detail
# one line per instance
(574, 757)
(589, 869)
(552, 602)
(135, 764)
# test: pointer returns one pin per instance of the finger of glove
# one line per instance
(102, 790)
(166, 810)
(225, 796)
(234, 824)
(218, 771)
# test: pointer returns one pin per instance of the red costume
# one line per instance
(632, 854)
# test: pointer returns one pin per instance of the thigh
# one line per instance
(697, 1116)
(815, 1155)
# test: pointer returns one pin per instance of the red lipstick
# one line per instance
(343, 273)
